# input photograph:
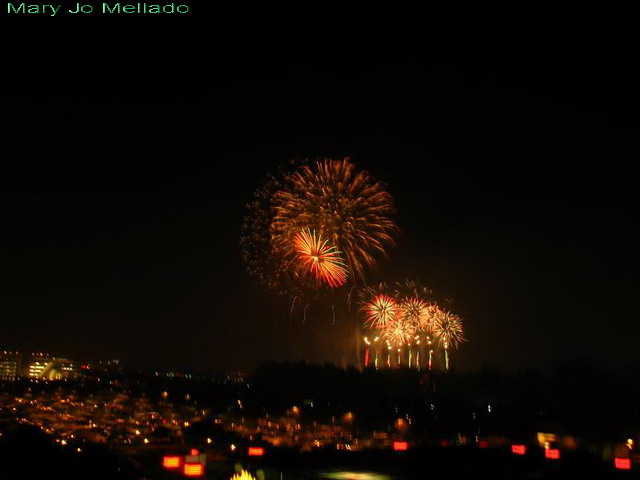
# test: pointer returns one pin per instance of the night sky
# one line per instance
(127, 166)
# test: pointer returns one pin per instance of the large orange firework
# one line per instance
(345, 206)
(319, 258)
(381, 311)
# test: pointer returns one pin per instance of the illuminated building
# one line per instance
(45, 366)
(9, 366)
(66, 369)
(37, 364)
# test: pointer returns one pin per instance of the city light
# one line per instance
(256, 451)
(622, 463)
(400, 446)
(171, 461)
(193, 469)
(518, 449)
(552, 453)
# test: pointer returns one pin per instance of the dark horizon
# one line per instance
(127, 178)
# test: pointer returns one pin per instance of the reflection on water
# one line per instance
(243, 472)
(342, 475)
(314, 474)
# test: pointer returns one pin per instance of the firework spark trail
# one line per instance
(304, 315)
(349, 297)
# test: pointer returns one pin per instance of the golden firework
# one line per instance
(343, 205)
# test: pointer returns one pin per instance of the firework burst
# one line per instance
(399, 332)
(381, 311)
(415, 311)
(322, 260)
(410, 317)
(319, 226)
(417, 304)
(448, 330)
(345, 206)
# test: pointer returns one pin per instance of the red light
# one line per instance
(400, 446)
(518, 449)
(444, 443)
(483, 444)
(623, 463)
(193, 469)
(552, 453)
(194, 451)
(256, 451)
(171, 462)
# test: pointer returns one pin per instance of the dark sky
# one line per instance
(127, 162)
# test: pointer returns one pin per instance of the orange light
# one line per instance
(256, 451)
(193, 469)
(552, 453)
(518, 449)
(171, 461)
(623, 463)
(194, 451)
(400, 446)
